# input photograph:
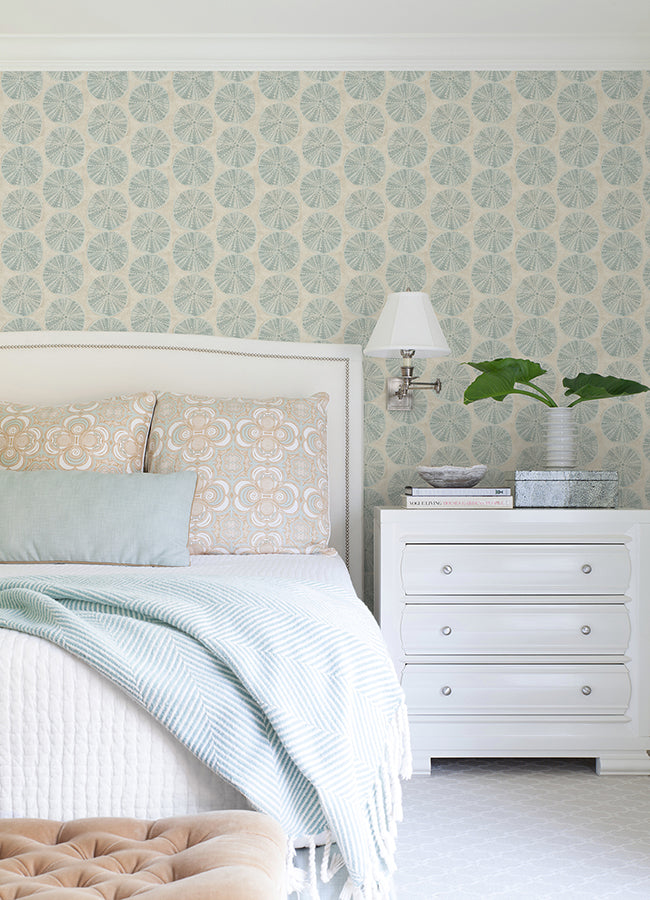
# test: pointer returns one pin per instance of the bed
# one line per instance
(73, 741)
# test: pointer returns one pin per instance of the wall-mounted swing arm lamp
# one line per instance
(407, 325)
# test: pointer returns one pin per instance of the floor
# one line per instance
(524, 830)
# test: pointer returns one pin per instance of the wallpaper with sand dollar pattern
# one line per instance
(284, 205)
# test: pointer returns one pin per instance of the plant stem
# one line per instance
(550, 402)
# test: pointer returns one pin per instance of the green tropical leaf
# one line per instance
(499, 377)
(496, 385)
(589, 386)
(519, 370)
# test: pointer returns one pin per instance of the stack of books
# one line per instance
(458, 498)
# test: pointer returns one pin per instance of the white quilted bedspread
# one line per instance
(73, 745)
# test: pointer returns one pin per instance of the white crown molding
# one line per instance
(315, 52)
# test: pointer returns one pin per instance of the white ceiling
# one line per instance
(332, 17)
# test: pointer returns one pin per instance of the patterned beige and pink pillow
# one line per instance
(261, 467)
(99, 436)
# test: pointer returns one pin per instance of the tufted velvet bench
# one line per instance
(230, 855)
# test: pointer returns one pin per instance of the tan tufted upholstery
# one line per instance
(232, 855)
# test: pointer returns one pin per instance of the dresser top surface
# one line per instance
(506, 516)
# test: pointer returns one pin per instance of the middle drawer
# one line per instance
(550, 628)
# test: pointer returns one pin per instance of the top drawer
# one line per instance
(515, 569)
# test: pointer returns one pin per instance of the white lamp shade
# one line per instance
(407, 322)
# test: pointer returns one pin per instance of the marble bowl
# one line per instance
(451, 476)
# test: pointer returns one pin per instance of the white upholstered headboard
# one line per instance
(58, 367)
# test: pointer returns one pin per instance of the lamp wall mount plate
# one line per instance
(395, 399)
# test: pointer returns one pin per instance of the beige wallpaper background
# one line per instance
(285, 205)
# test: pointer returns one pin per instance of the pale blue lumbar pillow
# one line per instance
(95, 517)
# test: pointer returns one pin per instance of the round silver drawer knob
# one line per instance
(586, 568)
(586, 690)
(585, 629)
(446, 690)
(447, 570)
(446, 630)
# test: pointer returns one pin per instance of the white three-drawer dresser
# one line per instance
(521, 632)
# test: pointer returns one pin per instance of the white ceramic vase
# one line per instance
(561, 449)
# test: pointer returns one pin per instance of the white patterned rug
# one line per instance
(524, 830)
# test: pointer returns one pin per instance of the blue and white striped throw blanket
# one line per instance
(284, 689)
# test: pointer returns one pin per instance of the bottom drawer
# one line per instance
(516, 690)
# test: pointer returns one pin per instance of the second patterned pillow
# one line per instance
(261, 470)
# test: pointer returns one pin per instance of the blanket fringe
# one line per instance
(331, 863)
(313, 876)
(295, 877)
(384, 810)
(378, 890)
(351, 892)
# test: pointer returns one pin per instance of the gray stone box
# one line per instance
(566, 488)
